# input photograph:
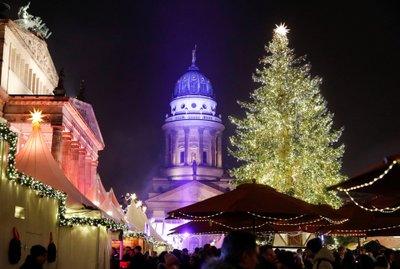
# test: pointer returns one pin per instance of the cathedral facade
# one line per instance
(192, 168)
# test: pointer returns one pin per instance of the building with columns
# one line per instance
(28, 80)
(193, 155)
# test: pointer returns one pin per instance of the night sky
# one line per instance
(130, 53)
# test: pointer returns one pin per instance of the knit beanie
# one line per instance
(314, 245)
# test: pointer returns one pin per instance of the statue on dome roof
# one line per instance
(194, 56)
(81, 94)
(32, 23)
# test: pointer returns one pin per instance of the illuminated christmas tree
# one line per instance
(286, 139)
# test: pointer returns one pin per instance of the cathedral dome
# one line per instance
(193, 82)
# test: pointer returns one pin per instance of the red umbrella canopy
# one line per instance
(251, 202)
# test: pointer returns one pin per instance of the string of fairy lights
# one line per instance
(285, 220)
(364, 231)
(148, 238)
(272, 218)
(369, 183)
(381, 210)
(366, 184)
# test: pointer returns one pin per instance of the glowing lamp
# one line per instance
(36, 117)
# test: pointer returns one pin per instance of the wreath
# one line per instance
(51, 250)
(14, 248)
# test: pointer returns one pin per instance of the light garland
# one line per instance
(209, 218)
(366, 230)
(272, 218)
(230, 227)
(146, 237)
(374, 209)
(308, 223)
(198, 217)
(370, 182)
(386, 210)
(11, 138)
(106, 222)
(334, 221)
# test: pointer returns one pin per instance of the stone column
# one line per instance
(213, 161)
(201, 147)
(219, 150)
(93, 175)
(173, 154)
(66, 153)
(167, 157)
(82, 170)
(88, 175)
(74, 164)
(187, 160)
(56, 143)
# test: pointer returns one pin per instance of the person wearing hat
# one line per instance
(239, 251)
(36, 259)
(321, 256)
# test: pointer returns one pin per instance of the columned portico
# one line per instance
(73, 136)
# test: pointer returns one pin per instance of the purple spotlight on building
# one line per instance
(192, 154)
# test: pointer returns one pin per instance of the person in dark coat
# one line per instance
(239, 251)
(36, 258)
(267, 258)
(138, 260)
(322, 257)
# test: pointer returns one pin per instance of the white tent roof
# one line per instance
(35, 160)
(111, 206)
(139, 219)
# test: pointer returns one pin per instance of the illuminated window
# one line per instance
(19, 212)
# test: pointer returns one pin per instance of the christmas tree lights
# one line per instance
(286, 139)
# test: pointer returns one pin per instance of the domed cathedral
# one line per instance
(193, 154)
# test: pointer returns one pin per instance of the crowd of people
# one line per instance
(240, 251)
